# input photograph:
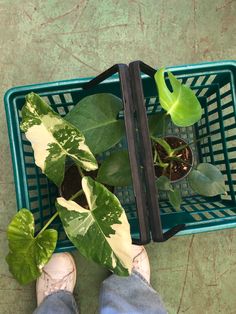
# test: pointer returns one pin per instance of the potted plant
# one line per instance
(91, 214)
(173, 157)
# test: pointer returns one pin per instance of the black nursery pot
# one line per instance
(178, 171)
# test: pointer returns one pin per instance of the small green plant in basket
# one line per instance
(173, 157)
(96, 223)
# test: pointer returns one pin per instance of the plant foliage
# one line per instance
(53, 139)
(27, 253)
(96, 116)
(207, 180)
(115, 170)
(181, 103)
(102, 232)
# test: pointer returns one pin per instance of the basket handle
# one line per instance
(138, 186)
(135, 69)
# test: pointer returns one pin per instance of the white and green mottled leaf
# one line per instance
(28, 254)
(53, 139)
(207, 180)
(96, 116)
(181, 104)
(102, 233)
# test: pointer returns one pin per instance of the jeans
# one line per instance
(123, 295)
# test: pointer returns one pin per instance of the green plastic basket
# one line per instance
(214, 85)
(33, 190)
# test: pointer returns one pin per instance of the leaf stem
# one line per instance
(155, 154)
(48, 223)
(56, 213)
(80, 192)
(80, 171)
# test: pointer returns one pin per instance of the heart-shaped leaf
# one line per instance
(53, 139)
(158, 124)
(28, 254)
(207, 180)
(115, 170)
(164, 184)
(175, 198)
(102, 233)
(181, 104)
(96, 117)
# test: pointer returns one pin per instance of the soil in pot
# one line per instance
(176, 170)
(72, 184)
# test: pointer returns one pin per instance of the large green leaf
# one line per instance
(28, 254)
(158, 124)
(181, 104)
(175, 198)
(53, 139)
(207, 180)
(96, 117)
(102, 233)
(115, 170)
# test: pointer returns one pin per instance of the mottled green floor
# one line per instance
(46, 40)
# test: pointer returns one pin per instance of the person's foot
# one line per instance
(58, 274)
(141, 261)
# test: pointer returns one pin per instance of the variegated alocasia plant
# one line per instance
(102, 232)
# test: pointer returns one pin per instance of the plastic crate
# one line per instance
(214, 85)
(33, 190)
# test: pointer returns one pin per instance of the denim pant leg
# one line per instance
(60, 302)
(129, 295)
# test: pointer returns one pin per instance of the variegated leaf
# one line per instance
(101, 234)
(53, 139)
(28, 254)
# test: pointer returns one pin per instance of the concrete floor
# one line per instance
(46, 40)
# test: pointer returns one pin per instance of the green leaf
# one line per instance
(207, 180)
(102, 233)
(181, 104)
(96, 117)
(175, 198)
(115, 170)
(159, 162)
(53, 139)
(158, 124)
(164, 144)
(28, 254)
(164, 184)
